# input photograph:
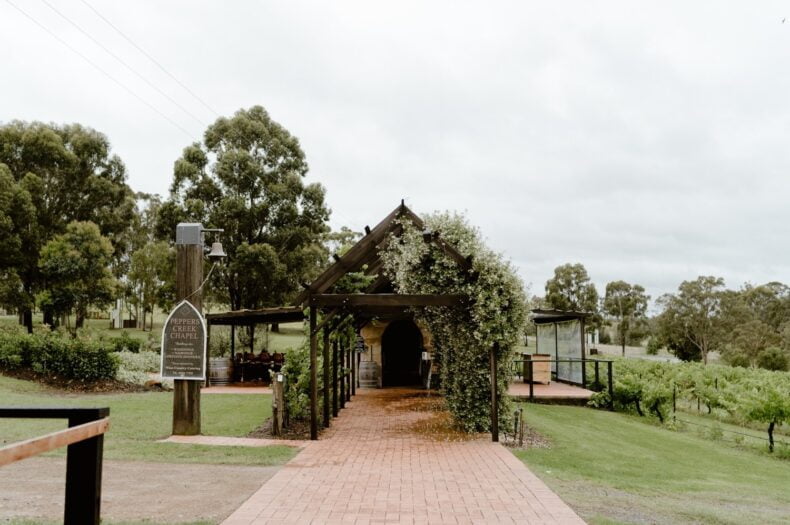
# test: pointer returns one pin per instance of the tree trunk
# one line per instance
(771, 436)
(79, 318)
(638, 408)
(275, 328)
(27, 319)
(622, 338)
(49, 317)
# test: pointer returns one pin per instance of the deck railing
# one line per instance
(524, 368)
(85, 441)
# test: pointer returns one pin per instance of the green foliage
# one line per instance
(58, 174)
(135, 367)
(247, 177)
(690, 324)
(571, 289)
(55, 355)
(653, 346)
(494, 312)
(124, 343)
(76, 265)
(774, 358)
(746, 394)
(297, 377)
(151, 277)
(627, 305)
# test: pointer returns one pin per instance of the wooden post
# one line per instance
(354, 355)
(348, 374)
(494, 407)
(186, 394)
(313, 376)
(325, 368)
(278, 407)
(342, 375)
(208, 354)
(84, 472)
(334, 378)
(233, 342)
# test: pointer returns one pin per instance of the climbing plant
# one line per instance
(492, 314)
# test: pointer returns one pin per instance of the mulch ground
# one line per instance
(82, 387)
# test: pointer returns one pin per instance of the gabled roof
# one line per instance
(364, 255)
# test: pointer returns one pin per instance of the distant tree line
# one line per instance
(74, 236)
(748, 327)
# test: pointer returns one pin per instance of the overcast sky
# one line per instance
(648, 141)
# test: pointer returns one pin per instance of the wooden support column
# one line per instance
(233, 342)
(354, 355)
(186, 393)
(348, 376)
(208, 354)
(342, 375)
(325, 368)
(494, 405)
(334, 377)
(313, 376)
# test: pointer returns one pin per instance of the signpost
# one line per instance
(184, 344)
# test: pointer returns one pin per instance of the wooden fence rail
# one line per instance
(85, 441)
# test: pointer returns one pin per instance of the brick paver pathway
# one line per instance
(389, 458)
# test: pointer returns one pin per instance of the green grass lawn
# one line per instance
(616, 468)
(138, 420)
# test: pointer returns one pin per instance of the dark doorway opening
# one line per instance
(401, 351)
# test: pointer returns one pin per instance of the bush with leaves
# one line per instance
(125, 343)
(52, 354)
(493, 313)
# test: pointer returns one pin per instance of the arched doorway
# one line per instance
(401, 348)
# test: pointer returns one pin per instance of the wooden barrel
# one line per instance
(368, 374)
(220, 371)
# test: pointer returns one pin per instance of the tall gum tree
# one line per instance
(68, 174)
(247, 177)
(627, 303)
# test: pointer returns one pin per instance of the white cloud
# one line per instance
(646, 141)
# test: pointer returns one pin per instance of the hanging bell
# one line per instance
(216, 251)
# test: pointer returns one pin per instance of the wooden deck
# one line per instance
(554, 392)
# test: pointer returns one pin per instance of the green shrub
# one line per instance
(124, 343)
(55, 355)
(773, 359)
(653, 346)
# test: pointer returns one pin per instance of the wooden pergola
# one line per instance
(377, 301)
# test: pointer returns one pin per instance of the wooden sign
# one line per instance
(184, 344)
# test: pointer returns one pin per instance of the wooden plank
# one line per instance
(394, 300)
(61, 438)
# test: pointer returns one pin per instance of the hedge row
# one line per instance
(53, 354)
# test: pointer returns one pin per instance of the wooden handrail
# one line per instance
(61, 438)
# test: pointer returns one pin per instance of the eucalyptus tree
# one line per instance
(247, 177)
(571, 289)
(65, 173)
(692, 324)
(627, 304)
